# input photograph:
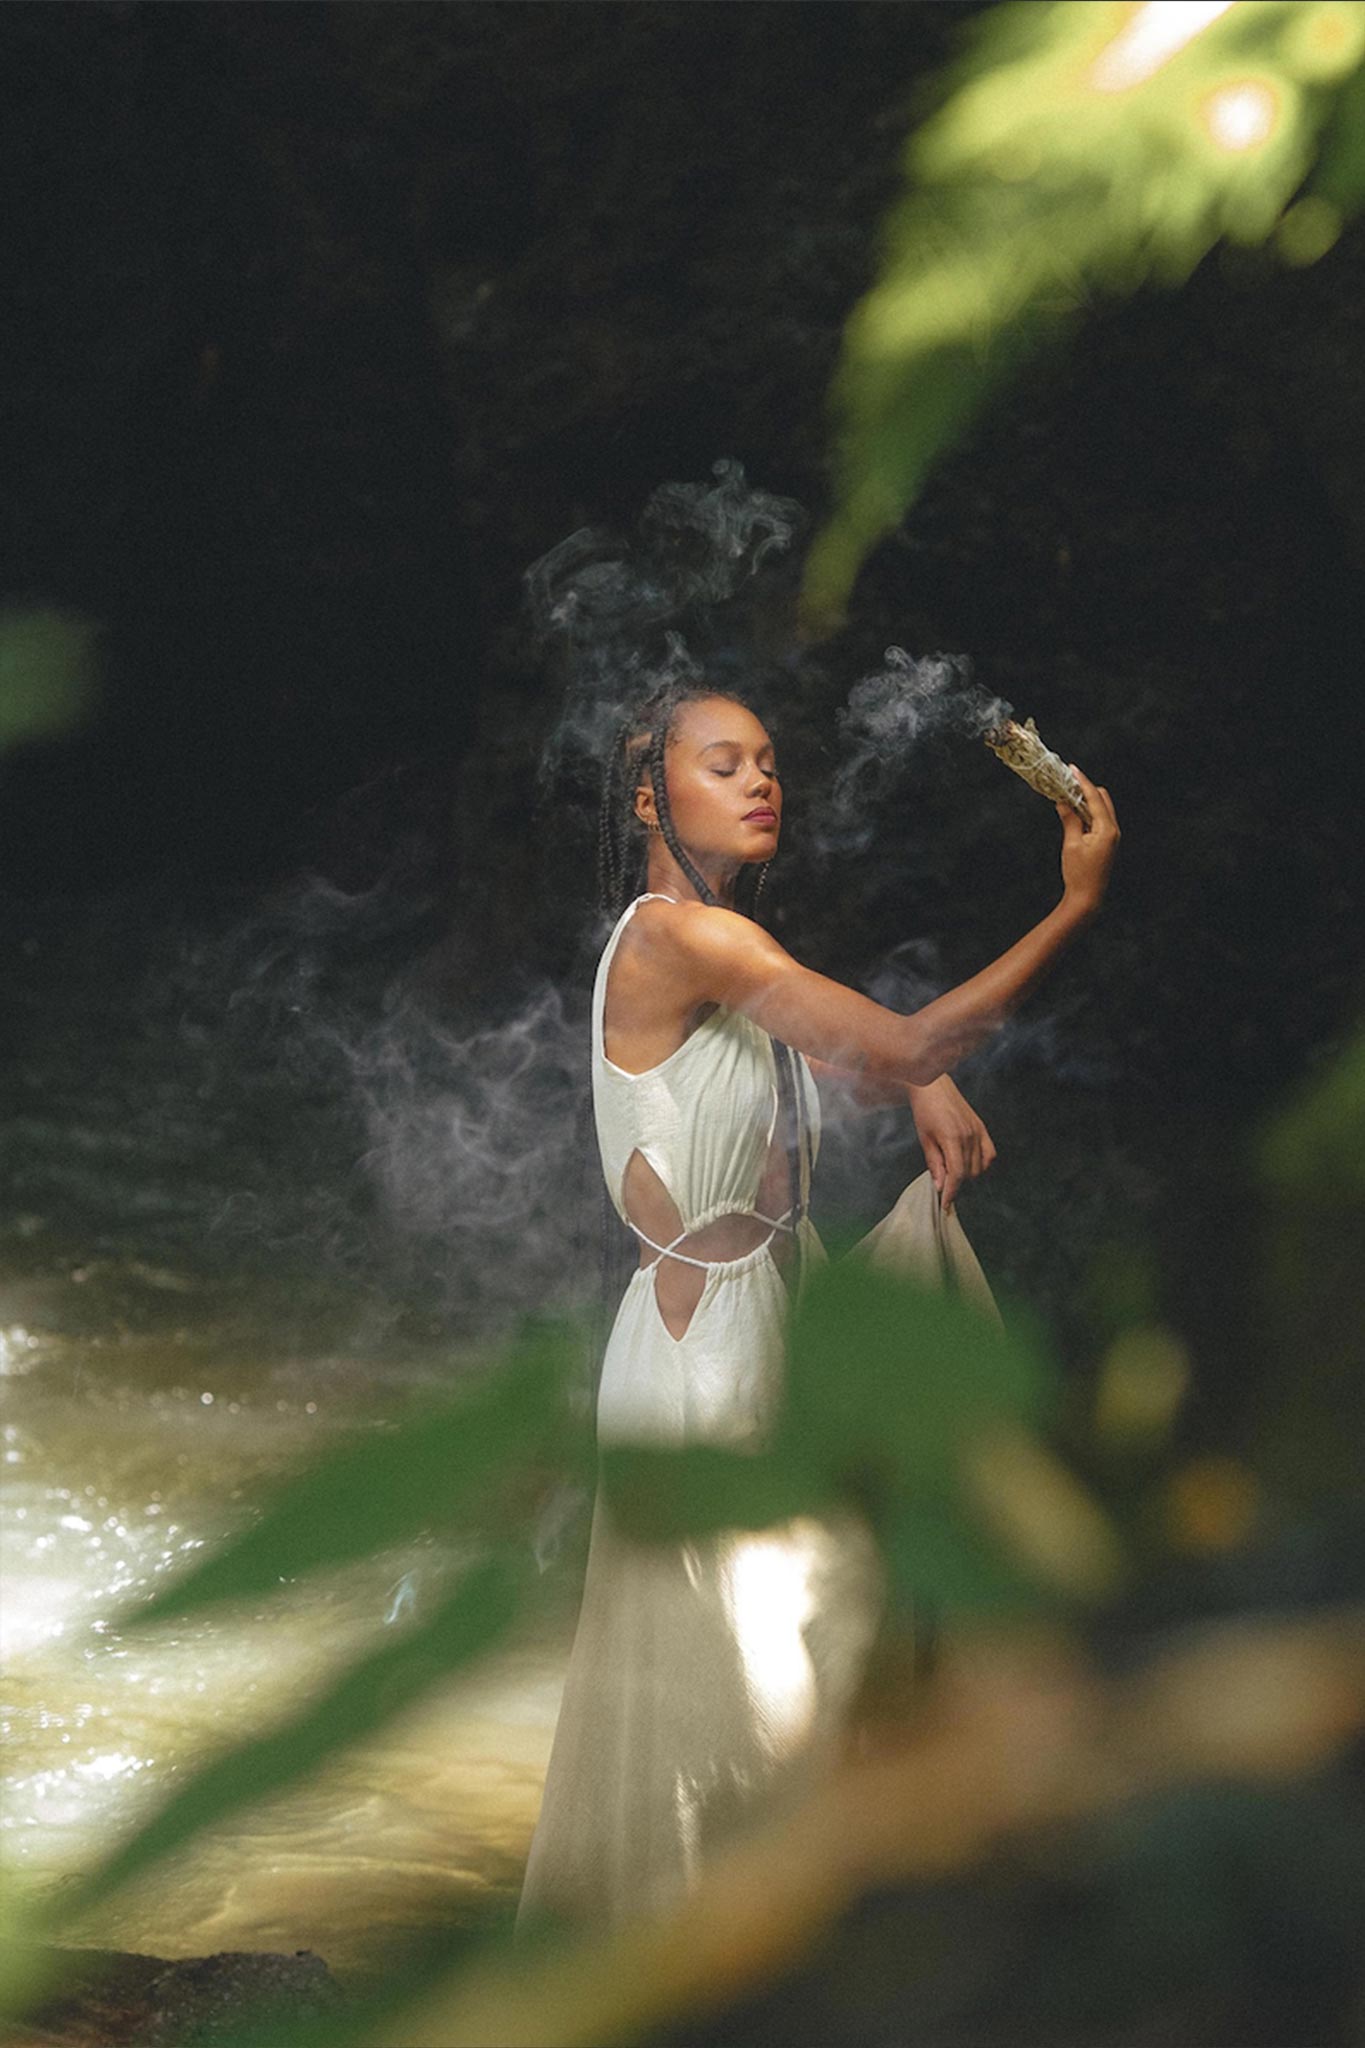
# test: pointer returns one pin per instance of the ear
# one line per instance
(644, 804)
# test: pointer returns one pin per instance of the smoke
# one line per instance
(616, 616)
(480, 1152)
(384, 1147)
(891, 715)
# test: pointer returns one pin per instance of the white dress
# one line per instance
(707, 1678)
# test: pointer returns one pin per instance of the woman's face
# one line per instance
(723, 789)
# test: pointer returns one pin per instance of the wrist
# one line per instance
(1076, 908)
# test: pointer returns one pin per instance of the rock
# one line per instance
(115, 2000)
(205, 1999)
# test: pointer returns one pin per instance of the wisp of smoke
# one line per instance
(477, 1145)
(611, 612)
(890, 713)
(444, 1163)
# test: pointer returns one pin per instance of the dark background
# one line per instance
(327, 320)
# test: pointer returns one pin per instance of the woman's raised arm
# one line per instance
(718, 956)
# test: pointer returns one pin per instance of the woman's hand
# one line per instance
(957, 1145)
(1088, 850)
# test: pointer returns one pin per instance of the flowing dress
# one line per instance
(707, 1679)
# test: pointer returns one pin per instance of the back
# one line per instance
(704, 1119)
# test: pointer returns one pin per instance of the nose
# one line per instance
(760, 782)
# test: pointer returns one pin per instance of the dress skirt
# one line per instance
(709, 1679)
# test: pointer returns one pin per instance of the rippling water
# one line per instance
(158, 1365)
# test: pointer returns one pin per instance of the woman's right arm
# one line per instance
(722, 957)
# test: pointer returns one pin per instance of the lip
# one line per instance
(764, 815)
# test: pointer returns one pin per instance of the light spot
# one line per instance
(770, 1599)
(1150, 38)
(1242, 116)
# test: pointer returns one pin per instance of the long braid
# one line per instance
(658, 775)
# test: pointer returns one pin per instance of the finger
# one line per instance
(955, 1176)
(988, 1151)
(934, 1160)
(1096, 795)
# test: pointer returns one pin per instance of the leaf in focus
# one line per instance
(1079, 150)
(463, 1463)
(468, 1622)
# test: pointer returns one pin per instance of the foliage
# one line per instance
(47, 673)
(1068, 159)
(898, 1403)
(908, 1408)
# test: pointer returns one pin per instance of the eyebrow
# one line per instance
(735, 747)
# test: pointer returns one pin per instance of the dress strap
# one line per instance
(670, 1251)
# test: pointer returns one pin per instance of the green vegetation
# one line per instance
(48, 673)
(1075, 152)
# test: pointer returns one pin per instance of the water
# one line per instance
(108, 1486)
(160, 1366)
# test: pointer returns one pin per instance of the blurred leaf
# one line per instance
(665, 1494)
(1315, 1148)
(901, 1403)
(443, 1466)
(48, 673)
(1063, 163)
(1308, 1410)
(1339, 175)
(936, 1560)
(891, 1380)
(370, 1693)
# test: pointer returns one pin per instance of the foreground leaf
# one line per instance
(465, 1463)
(1076, 153)
(468, 1622)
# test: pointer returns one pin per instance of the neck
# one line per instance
(666, 878)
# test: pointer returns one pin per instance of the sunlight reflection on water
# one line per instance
(106, 1492)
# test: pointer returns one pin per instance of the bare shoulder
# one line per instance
(713, 951)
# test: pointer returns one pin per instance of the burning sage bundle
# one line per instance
(1020, 748)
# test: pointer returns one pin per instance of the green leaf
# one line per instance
(1314, 1151)
(935, 1559)
(465, 1462)
(467, 1623)
(48, 673)
(889, 1381)
(1339, 175)
(1050, 173)
(663, 1495)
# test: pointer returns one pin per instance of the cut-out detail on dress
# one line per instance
(682, 1260)
(708, 1677)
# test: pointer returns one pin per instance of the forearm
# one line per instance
(954, 1024)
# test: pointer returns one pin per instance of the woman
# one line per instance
(708, 1678)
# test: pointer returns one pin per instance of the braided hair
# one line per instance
(622, 842)
(622, 860)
